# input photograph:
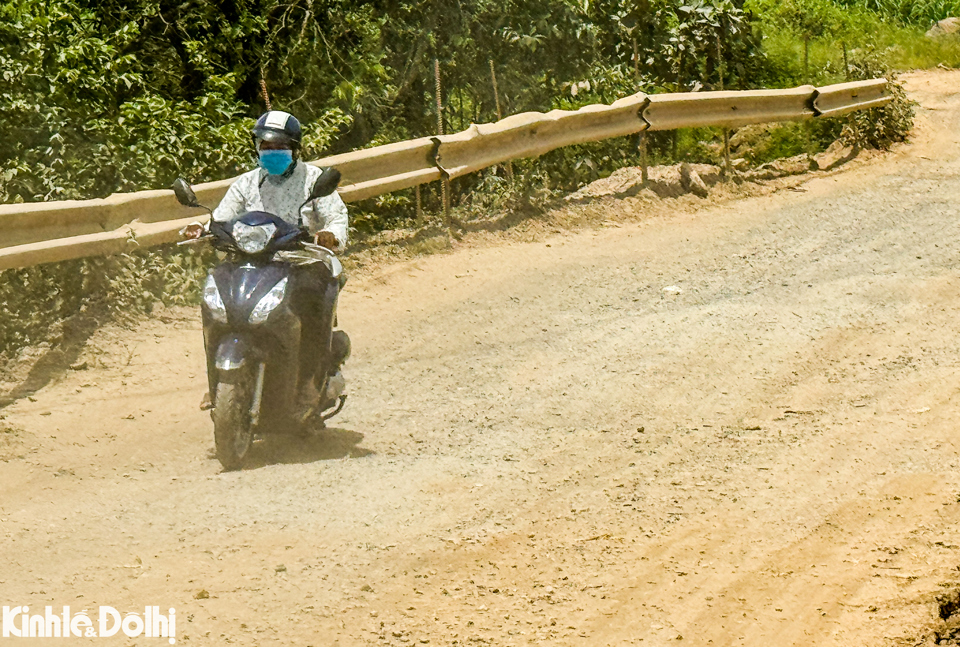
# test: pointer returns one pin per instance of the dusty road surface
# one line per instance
(543, 446)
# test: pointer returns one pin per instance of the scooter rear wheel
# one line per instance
(232, 428)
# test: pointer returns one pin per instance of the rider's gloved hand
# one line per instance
(326, 239)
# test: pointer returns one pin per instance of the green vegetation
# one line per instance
(120, 95)
(822, 31)
(49, 302)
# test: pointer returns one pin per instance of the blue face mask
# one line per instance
(275, 162)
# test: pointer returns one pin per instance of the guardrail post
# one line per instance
(644, 170)
(416, 190)
(263, 91)
(727, 171)
(445, 183)
(496, 100)
(726, 131)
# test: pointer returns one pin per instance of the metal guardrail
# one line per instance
(843, 98)
(370, 172)
(531, 134)
(48, 232)
(729, 109)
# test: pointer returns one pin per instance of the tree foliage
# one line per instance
(116, 95)
(119, 95)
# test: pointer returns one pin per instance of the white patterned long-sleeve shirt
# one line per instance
(257, 190)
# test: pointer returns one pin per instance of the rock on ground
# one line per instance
(837, 154)
(946, 27)
(690, 180)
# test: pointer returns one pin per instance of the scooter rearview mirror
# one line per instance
(326, 184)
(184, 192)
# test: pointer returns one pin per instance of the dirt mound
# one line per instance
(663, 181)
(680, 179)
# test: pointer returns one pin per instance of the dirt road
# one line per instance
(546, 446)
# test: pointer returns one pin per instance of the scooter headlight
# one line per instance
(269, 302)
(253, 238)
(211, 297)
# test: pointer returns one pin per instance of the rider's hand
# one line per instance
(192, 231)
(326, 239)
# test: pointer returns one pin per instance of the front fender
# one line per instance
(233, 354)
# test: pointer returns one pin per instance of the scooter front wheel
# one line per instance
(232, 427)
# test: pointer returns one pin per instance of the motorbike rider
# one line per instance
(279, 186)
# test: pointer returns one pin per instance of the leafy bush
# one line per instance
(880, 127)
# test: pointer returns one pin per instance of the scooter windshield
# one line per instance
(256, 232)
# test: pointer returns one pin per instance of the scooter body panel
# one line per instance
(238, 345)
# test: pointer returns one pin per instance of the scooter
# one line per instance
(251, 330)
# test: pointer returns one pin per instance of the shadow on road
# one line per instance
(56, 361)
(320, 445)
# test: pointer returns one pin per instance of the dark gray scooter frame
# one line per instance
(260, 363)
